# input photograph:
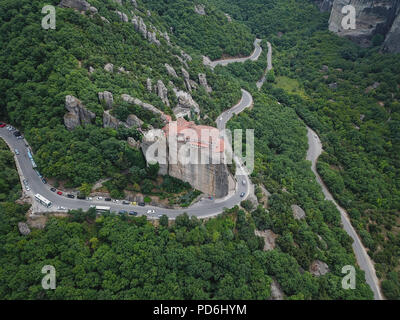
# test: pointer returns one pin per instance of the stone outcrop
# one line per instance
(149, 85)
(269, 238)
(110, 121)
(134, 3)
(189, 84)
(171, 71)
(133, 143)
(392, 41)
(141, 27)
(77, 115)
(109, 67)
(372, 18)
(162, 92)
(185, 105)
(23, 228)
(127, 98)
(228, 17)
(133, 121)
(298, 212)
(324, 5)
(107, 97)
(200, 9)
(276, 291)
(319, 268)
(203, 82)
(122, 16)
(210, 177)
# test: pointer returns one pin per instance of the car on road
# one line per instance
(17, 133)
(133, 213)
(92, 206)
(151, 211)
(61, 208)
(59, 193)
(81, 196)
(53, 189)
(134, 203)
(20, 137)
(71, 196)
(142, 204)
(126, 202)
(244, 182)
(242, 194)
(25, 182)
(160, 215)
(44, 181)
(16, 152)
(107, 199)
(99, 198)
(2, 124)
(123, 212)
(89, 199)
(28, 188)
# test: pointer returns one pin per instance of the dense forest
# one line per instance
(318, 78)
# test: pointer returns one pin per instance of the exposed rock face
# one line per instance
(392, 42)
(91, 69)
(134, 3)
(139, 25)
(109, 67)
(298, 212)
(23, 228)
(171, 70)
(324, 5)
(78, 114)
(110, 122)
(212, 178)
(189, 84)
(207, 61)
(228, 17)
(200, 9)
(269, 238)
(276, 291)
(122, 16)
(134, 121)
(107, 97)
(319, 268)
(203, 82)
(127, 98)
(80, 5)
(185, 105)
(372, 18)
(133, 143)
(162, 92)
(149, 85)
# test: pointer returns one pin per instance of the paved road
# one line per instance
(202, 209)
(364, 261)
(269, 67)
(253, 57)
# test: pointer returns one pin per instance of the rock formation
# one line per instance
(77, 115)
(276, 291)
(80, 5)
(162, 92)
(109, 67)
(269, 238)
(319, 268)
(149, 85)
(200, 9)
(185, 105)
(107, 97)
(171, 71)
(127, 98)
(189, 84)
(133, 121)
(211, 177)
(23, 228)
(298, 212)
(203, 82)
(110, 121)
(372, 18)
(133, 143)
(122, 16)
(324, 5)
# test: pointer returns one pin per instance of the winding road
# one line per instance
(205, 208)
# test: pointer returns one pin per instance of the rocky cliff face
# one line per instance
(324, 5)
(373, 17)
(77, 115)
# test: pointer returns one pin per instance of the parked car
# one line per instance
(244, 182)
(151, 211)
(99, 198)
(28, 188)
(81, 197)
(126, 202)
(142, 204)
(2, 124)
(89, 199)
(134, 203)
(107, 199)
(25, 182)
(59, 193)
(123, 212)
(20, 137)
(242, 194)
(71, 196)
(16, 152)
(17, 133)
(44, 181)
(133, 213)
(53, 189)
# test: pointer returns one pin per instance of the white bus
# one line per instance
(102, 209)
(42, 200)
